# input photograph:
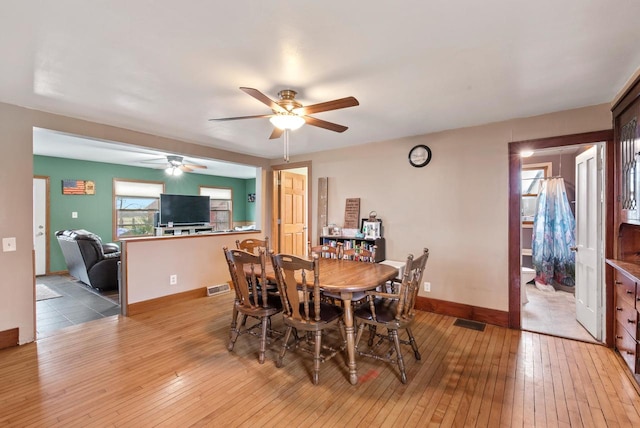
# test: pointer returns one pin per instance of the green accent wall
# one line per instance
(251, 206)
(95, 212)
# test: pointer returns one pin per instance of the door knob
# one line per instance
(575, 249)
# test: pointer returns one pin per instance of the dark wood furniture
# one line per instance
(252, 245)
(251, 300)
(303, 311)
(347, 277)
(626, 260)
(392, 311)
(350, 242)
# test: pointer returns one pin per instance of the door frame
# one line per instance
(514, 221)
(47, 227)
(275, 203)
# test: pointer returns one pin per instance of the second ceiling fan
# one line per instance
(288, 113)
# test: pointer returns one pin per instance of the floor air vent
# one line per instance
(213, 290)
(473, 325)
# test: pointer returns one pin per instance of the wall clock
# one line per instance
(419, 156)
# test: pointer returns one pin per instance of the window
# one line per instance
(135, 203)
(221, 206)
(532, 176)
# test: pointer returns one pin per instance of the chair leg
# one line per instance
(359, 335)
(396, 342)
(316, 357)
(263, 339)
(372, 334)
(287, 335)
(234, 316)
(414, 345)
(234, 332)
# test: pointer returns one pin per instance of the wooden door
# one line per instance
(293, 200)
(588, 220)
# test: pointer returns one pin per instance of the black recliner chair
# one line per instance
(88, 259)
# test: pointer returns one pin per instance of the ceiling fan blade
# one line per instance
(277, 132)
(324, 124)
(326, 106)
(185, 168)
(243, 117)
(193, 165)
(263, 99)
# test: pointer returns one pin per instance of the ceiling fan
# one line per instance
(289, 114)
(176, 165)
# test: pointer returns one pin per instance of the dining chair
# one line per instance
(360, 254)
(356, 254)
(252, 245)
(324, 250)
(393, 311)
(303, 310)
(251, 300)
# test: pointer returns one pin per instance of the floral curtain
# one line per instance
(553, 235)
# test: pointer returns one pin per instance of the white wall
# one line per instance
(457, 206)
(198, 261)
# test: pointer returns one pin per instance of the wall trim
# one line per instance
(164, 301)
(9, 338)
(461, 310)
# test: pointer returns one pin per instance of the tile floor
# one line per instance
(77, 305)
(553, 313)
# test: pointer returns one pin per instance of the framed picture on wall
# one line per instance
(371, 229)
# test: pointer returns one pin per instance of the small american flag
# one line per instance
(73, 187)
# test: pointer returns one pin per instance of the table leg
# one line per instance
(351, 338)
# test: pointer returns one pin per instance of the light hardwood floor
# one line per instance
(171, 368)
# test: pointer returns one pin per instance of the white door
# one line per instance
(588, 220)
(40, 224)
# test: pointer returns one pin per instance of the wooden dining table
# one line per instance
(347, 277)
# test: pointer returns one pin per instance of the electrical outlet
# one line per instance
(173, 279)
(74, 214)
(427, 287)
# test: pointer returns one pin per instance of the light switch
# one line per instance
(8, 244)
(74, 214)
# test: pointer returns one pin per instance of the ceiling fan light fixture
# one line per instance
(287, 121)
(173, 170)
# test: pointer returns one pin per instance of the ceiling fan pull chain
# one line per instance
(286, 145)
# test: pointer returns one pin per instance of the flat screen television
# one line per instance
(183, 210)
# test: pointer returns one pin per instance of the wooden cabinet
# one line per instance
(350, 242)
(626, 239)
(626, 319)
(626, 113)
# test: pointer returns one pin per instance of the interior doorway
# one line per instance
(290, 215)
(515, 216)
(569, 303)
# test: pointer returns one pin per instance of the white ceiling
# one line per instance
(165, 67)
(57, 144)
